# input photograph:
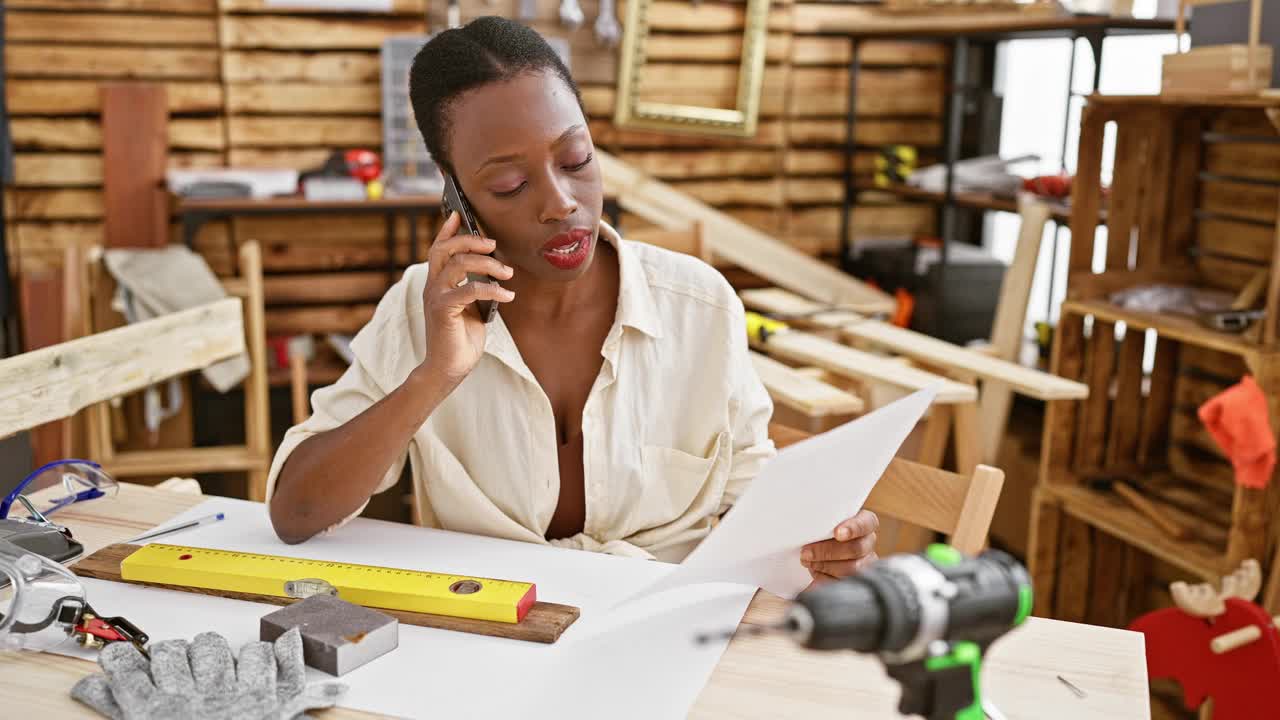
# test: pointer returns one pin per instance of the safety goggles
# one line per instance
(80, 480)
(41, 602)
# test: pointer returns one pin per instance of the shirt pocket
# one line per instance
(681, 485)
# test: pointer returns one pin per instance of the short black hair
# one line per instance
(486, 50)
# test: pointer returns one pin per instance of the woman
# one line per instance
(610, 406)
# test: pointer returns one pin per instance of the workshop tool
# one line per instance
(760, 327)
(483, 606)
(42, 605)
(337, 636)
(929, 617)
(607, 28)
(894, 164)
(571, 15)
(1219, 644)
(1135, 498)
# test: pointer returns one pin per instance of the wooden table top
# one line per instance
(758, 677)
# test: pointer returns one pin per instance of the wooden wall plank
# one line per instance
(80, 97)
(57, 169)
(53, 204)
(1242, 240)
(280, 32)
(1256, 161)
(926, 131)
(812, 50)
(111, 29)
(79, 133)
(1248, 201)
(665, 165)
(197, 7)
(57, 61)
(1100, 364)
(398, 7)
(296, 131)
(329, 68)
(305, 98)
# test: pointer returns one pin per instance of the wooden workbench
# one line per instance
(756, 678)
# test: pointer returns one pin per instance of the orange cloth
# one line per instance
(1237, 419)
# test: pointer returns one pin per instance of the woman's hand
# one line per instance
(852, 549)
(455, 331)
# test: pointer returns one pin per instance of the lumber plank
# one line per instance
(302, 130)
(1188, 155)
(813, 50)
(544, 623)
(764, 192)
(296, 98)
(1086, 190)
(1246, 201)
(726, 47)
(1127, 410)
(281, 32)
(734, 241)
(926, 131)
(78, 62)
(80, 97)
(800, 161)
(197, 7)
(1159, 405)
(1248, 160)
(57, 169)
(671, 165)
(53, 237)
(135, 155)
(327, 68)
(1157, 182)
(1108, 584)
(769, 133)
(53, 204)
(1227, 273)
(297, 158)
(58, 381)
(397, 7)
(1057, 447)
(1042, 549)
(1074, 573)
(918, 346)
(111, 29)
(810, 396)
(802, 347)
(825, 91)
(347, 319)
(324, 287)
(79, 133)
(1241, 240)
(1100, 361)
(1126, 192)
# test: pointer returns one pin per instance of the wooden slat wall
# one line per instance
(900, 101)
(57, 51)
(1238, 198)
(255, 85)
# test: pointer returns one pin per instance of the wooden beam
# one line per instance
(806, 394)
(1008, 328)
(80, 97)
(932, 351)
(58, 381)
(326, 68)
(135, 150)
(111, 29)
(734, 241)
(802, 347)
(59, 61)
(296, 98)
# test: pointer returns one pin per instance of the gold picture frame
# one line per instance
(631, 112)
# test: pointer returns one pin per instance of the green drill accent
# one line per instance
(963, 653)
(943, 555)
(1026, 598)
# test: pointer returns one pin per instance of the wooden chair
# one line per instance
(252, 457)
(958, 506)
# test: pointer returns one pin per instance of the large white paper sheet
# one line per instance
(638, 660)
(643, 663)
(798, 498)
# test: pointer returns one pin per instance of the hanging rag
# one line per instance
(152, 282)
(1237, 419)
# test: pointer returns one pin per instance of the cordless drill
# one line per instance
(929, 617)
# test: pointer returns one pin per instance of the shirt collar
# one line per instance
(636, 307)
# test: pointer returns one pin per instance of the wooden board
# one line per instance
(56, 382)
(810, 396)
(933, 351)
(135, 152)
(544, 623)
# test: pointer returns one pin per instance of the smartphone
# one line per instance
(455, 201)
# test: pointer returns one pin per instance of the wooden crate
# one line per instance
(1164, 224)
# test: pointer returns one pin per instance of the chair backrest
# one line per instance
(254, 456)
(58, 381)
(960, 507)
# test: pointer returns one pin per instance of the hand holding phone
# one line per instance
(455, 201)
(461, 274)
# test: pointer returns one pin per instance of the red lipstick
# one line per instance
(567, 251)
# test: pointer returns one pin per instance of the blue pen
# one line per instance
(207, 519)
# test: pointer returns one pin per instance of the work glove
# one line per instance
(201, 681)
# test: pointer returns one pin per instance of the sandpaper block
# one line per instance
(337, 636)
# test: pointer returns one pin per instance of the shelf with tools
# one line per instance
(1131, 475)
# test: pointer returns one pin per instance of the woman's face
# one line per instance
(524, 159)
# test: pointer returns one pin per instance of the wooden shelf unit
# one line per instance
(1090, 551)
(973, 200)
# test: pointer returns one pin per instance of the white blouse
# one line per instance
(673, 429)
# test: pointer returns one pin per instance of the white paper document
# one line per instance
(798, 498)
(638, 660)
